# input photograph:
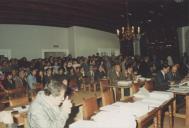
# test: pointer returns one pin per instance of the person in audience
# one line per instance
(23, 79)
(16, 79)
(144, 68)
(71, 74)
(51, 108)
(129, 73)
(8, 81)
(40, 77)
(48, 75)
(173, 75)
(100, 73)
(32, 82)
(1, 82)
(116, 74)
(161, 80)
(91, 73)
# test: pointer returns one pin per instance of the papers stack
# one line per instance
(136, 109)
(161, 95)
(83, 124)
(21, 109)
(179, 90)
(114, 119)
(106, 119)
(6, 117)
(124, 83)
(142, 79)
(142, 93)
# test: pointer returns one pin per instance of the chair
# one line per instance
(73, 84)
(89, 84)
(135, 87)
(89, 107)
(149, 85)
(20, 119)
(107, 97)
(17, 92)
(104, 83)
(18, 101)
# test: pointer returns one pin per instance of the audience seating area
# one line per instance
(113, 83)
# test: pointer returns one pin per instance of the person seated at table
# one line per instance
(129, 73)
(161, 80)
(8, 81)
(47, 75)
(16, 78)
(174, 76)
(51, 108)
(144, 68)
(32, 82)
(1, 82)
(116, 74)
(40, 78)
(100, 73)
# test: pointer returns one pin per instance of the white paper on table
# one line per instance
(138, 109)
(20, 109)
(109, 108)
(142, 93)
(153, 102)
(118, 104)
(114, 120)
(83, 124)
(6, 117)
(161, 95)
(148, 79)
(124, 83)
(142, 78)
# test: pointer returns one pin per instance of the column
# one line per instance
(136, 45)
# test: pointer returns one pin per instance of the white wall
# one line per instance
(28, 40)
(87, 41)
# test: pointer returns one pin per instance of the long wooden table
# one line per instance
(77, 100)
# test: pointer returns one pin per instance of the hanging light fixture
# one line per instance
(128, 32)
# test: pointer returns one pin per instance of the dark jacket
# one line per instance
(161, 82)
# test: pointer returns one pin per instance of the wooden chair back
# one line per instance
(107, 97)
(19, 101)
(73, 84)
(89, 107)
(104, 83)
(149, 85)
(17, 92)
(135, 87)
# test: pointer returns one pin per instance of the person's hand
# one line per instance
(67, 105)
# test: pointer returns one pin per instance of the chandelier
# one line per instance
(128, 32)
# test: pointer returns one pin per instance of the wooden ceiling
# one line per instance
(100, 14)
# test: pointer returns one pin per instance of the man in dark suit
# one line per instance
(174, 75)
(116, 74)
(161, 80)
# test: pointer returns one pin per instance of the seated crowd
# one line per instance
(55, 75)
(17, 73)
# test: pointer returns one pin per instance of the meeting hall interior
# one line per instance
(94, 64)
